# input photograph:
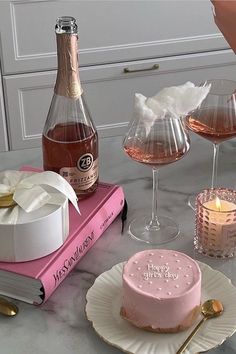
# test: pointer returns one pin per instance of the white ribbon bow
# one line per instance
(33, 190)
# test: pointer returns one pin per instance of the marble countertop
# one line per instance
(60, 325)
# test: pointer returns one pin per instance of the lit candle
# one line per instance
(222, 206)
(216, 226)
(220, 225)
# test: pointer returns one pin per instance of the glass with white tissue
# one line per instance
(165, 142)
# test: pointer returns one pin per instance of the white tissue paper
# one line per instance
(39, 223)
(177, 101)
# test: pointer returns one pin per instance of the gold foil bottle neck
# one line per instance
(67, 82)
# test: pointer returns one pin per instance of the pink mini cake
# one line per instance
(161, 290)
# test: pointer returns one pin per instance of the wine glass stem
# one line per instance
(154, 221)
(215, 165)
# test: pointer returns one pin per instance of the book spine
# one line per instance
(80, 245)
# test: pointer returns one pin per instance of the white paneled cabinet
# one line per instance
(110, 31)
(109, 91)
(3, 129)
(114, 35)
(28, 98)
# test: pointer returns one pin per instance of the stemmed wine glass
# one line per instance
(165, 142)
(215, 120)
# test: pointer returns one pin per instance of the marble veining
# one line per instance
(60, 325)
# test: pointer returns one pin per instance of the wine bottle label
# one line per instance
(84, 175)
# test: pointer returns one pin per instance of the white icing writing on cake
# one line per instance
(159, 271)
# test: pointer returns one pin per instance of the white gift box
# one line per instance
(39, 222)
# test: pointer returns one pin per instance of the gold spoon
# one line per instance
(210, 308)
(7, 308)
(7, 201)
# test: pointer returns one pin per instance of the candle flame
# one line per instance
(218, 204)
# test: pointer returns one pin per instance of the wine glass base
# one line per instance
(140, 230)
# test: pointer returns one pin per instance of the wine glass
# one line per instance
(164, 142)
(215, 120)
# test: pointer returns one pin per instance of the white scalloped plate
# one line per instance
(103, 310)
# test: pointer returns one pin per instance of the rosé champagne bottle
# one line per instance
(70, 140)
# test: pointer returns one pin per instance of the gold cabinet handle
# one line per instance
(153, 67)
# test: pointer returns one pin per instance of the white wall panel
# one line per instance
(109, 91)
(110, 31)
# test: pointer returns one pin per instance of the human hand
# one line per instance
(225, 19)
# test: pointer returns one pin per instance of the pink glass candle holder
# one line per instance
(215, 232)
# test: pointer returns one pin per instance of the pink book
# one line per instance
(35, 281)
